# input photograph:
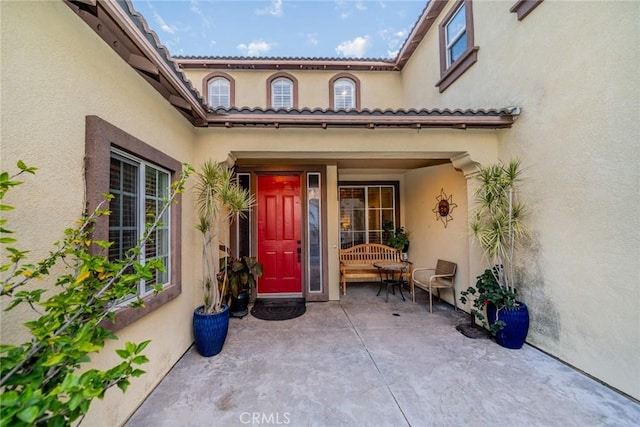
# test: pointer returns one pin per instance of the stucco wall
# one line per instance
(430, 239)
(56, 71)
(377, 89)
(577, 84)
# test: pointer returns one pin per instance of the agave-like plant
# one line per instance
(498, 223)
(219, 199)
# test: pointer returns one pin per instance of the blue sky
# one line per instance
(282, 28)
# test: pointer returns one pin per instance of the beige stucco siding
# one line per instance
(377, 89)
(56, 71)
(577, 84)
(430, 239)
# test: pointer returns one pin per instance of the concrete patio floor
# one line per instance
(364, 362)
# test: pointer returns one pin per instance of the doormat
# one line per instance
(278, 308)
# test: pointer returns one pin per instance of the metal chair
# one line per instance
(442, 278)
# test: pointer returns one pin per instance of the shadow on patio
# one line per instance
(361, 362)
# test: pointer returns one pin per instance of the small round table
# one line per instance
(388, 271)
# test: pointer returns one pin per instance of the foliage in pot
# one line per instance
(241, 273)
(499, 228)
(241, 277)
(395, 237)
(488, 291)
(219, 199)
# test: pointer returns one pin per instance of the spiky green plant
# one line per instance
(219, 199)
(498, 223)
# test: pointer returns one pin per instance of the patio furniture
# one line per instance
(357, 262)
(388, 271)
(442, 277)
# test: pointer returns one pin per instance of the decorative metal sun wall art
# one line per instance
(444, 207)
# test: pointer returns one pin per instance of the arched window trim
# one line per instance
(356, 84)
(232, 86)
(294, 85)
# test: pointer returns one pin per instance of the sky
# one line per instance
(282, 28)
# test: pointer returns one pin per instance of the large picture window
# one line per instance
(364, 210)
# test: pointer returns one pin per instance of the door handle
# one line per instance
(299, 251)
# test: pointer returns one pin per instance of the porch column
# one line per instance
(470, 168)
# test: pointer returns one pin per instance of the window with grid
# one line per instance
(364, 209)
(219, 92)
(456, 35)
(457, 50)
(282, 93)
(344, 94)
(139, 189)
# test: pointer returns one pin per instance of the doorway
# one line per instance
(279, 235)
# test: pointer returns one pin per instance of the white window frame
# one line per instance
(218, 98)
(340, 88)
(461, 33)
(366, 186)
(279, 99)
(141, 220)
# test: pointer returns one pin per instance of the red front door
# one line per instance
(279, 245)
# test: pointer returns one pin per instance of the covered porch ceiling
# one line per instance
(347, 163)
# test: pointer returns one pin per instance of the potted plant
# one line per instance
(396, 237)
(241, 278)
(219, 199)
(498, 226)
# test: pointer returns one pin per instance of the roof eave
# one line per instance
(368, 122)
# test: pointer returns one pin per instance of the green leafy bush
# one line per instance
(486, 291)
(41, 382)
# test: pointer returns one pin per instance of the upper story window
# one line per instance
(220, 89)
(282, 91)
(344, 92)
(457, 50)
(456, 35)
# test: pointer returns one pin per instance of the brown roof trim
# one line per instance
(370, 119)
(128, 34)
(249, 63)
(420, 29)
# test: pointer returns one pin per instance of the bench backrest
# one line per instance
(368, 253)
(446, 267)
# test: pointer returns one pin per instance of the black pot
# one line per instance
(210, 330)
(516, 327)
(240, 304)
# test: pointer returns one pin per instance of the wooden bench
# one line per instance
(442, 277)
(357, 262)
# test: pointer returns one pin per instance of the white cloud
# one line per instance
(273, 9)
(393, 39)
(171, 29)
(360, 6)
(312, 39)
(347, 8)
(354, 48)
(255, 48)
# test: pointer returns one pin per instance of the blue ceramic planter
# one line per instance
(516, 327)
(210, 331)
